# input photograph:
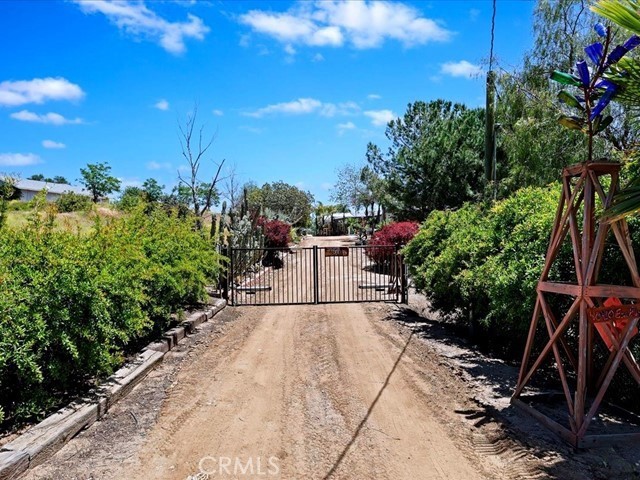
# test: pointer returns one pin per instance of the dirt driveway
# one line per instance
(302, 392)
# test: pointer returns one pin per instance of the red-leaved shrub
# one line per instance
(277, 233)
(382, 243)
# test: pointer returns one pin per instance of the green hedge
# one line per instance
(71, 305)
(479, 265)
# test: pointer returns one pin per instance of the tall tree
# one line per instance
(435, 160)
(98, 181)
(152, 190)
(285, 201)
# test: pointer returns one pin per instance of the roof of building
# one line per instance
(59, 188)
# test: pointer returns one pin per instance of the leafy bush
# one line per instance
(71, 305)
(277, 233)
(73, 202)
(382, 244)
(18, 206)
(480, 264)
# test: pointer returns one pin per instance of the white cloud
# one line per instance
(136, 19)
(52, 144)
(249, 129)
(289, 50)
(162, 104)
(218, 113)
(19, 159)
(374, 96)
(461, 69)
(365, 24)
(38, 90)
(326, 186)
(49, 118)
(473, 14)
(344, 127)
(129, 182)
(159, 166)
(303, 106)
(318, 57)
(380, 118)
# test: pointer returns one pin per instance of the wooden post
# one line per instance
(588, 247)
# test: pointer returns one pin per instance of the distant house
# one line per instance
(27, 189)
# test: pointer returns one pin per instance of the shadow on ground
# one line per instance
(504, 431)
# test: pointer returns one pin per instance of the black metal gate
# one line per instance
(313, 275)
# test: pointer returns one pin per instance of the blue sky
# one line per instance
(292, 90)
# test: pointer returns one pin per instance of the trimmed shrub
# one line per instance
(480, 264)
(72, 305)
(382, 244)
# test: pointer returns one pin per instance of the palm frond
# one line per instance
(625, 13)
(625, 202)
(626, 75)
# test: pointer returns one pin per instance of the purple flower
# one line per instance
(600, 29)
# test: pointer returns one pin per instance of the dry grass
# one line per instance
(80, 222)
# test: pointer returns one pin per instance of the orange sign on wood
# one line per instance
(612, 314)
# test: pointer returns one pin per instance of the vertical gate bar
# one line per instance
(345, 277)
(280, 287)
(368, 275)
(309, 276)
(298, 286)
(340, 274)
(315, 274)
(224, 281)
(397, 270)
(405, 281)
(232, 277)
(351, 271)
(339, 268)
(287, 277)
(328, 280)
(359, 266)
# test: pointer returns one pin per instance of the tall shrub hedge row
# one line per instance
(480, 264)
(71, 304)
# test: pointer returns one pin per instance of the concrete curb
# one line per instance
(41, 441)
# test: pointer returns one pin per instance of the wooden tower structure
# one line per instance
(607, 313)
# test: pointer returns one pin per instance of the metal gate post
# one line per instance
(231, 277)
(315, 275)
(405, 280)
(224, 280)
